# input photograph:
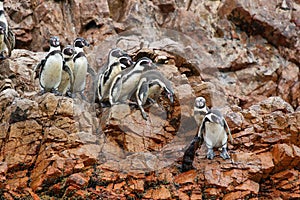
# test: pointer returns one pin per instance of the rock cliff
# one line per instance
(242, 56)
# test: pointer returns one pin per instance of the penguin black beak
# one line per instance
(151, 65)
(86, 43)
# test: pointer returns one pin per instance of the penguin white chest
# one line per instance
(215, 135)
(129, 85)
(80, 70)
(51, 72)
(114, 72)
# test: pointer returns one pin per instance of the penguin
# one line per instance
(117, 61)
(67, 75)
(7, 37)
(200, 110)
(81, 67)
(50, 68)
(213, 131)
(150, 86)
(125, 83)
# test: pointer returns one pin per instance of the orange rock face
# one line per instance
(242, 56)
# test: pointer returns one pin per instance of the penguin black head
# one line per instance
(200, 102)
(145, 62)
(169, 95)
(54, 41)
(80, 42)
(68, 50)
(117, 53)
(126, 60)
(215, 116)
(2, 28)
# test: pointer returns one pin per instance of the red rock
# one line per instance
(79, 179)
(183, 196)
(161, 193)
(118, 186)
(186, 177)
(196, 195)
(33, 195)
(215, 176)
(250, 186)
(213, 192)
(236, 195)
(137, 185)
(267, 164)
(296, 159)
(282, 156)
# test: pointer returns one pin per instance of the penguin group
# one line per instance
(124, 81)
(64, 72)
(121, 80)
(7, 37)
(212, 130)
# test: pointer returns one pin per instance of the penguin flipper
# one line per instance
(227, 129)
(99, 87)
(67, 69)
(91, 71)
(38, 68)
(115, 89)
(10, 41)
(201, 129)
(189, 154)
(141, 97)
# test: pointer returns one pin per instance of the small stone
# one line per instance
(161, 193)
(249, 185)
(186, 177)
(78, 179)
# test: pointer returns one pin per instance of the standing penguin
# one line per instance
(214, 130)
(50, 68)
(81, 67)
(7, 37)
(125, 83)
(150, 86)
(67, 76)
(117, 61)
(200, 110)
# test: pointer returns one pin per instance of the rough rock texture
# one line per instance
(242, 56)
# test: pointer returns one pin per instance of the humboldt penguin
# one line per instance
(214, 130)
(125, 83)
(81, 67)
(7, 37)
(117, 61)
(50, 68)
(200, 110)
(67, 75)
(150, 86)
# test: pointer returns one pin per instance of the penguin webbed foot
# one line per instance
(145, 115)
(105, 104)
(210, 154)
(56, 92)
(224, 154)
(83, 96)
(151, 101)
(42, 92)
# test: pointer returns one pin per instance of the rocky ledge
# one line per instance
(243, 57)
